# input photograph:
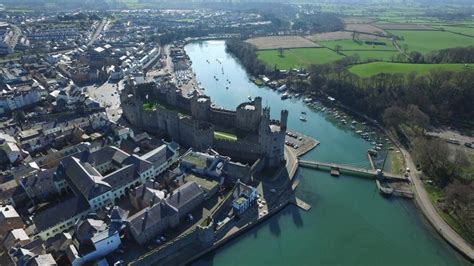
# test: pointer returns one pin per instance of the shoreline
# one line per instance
(458, 243)
(247, 227)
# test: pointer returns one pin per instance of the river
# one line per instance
(350, 223)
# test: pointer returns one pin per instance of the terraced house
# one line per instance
(97, 180)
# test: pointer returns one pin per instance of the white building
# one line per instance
(96, 240)
(244, 197)
(9, 146)
(98, 179)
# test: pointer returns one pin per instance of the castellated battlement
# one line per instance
(192, 121)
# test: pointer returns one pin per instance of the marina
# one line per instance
(279, 239)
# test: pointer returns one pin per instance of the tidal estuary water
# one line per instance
(350, 223)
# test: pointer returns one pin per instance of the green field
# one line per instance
(224, 136)
(463, 30)
(427, 41)
(467, 172)
(352, 45)
(296, 58)
(365, 56)
(371, 69)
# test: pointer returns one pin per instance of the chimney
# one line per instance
(145, 218)
(143, 191)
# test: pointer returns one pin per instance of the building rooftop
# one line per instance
(148, 217)
(184, 195)
(60, 212)
(7, 211)
(194, 158)
(44, 259)
(205, 183)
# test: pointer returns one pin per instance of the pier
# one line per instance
(300, 203)
(333, 167)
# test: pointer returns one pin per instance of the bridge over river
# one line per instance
(350, 170)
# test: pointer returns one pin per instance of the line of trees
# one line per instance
(247, 55)
(462, 55)
(445, 97)
(320, 22)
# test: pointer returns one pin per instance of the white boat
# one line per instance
(302, 118)
(285, 96)
(282, 88)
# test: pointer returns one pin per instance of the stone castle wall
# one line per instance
(224, 118)
(197, 128)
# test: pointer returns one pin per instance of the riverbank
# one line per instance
(421, 196)
(428, 209)
(452, 237)
(325, 237)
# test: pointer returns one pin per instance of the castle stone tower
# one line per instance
(283, 120)
(258, 104)
(200, 107)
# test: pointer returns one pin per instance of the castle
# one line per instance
(160, 107)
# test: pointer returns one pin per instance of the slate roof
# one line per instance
(88, 228)
(148, 193)
(184, 195)
(120, 177)
(139, 164)
(60, 212)
(158, 156)
(85, 178)
(34, 179)
(106, 154)
(148, 217)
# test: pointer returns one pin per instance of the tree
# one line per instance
(394, 116)
(417, 118)
(280, 52)
(416, 57)
(405, 48)
(438, 161)
(338, 48)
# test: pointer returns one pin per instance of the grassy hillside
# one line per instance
(371, 69)
(427, 41)
(296, 58)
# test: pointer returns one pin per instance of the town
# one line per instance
(108, 144)
(120, 146)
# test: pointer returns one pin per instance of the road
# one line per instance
(16, 36)
(423, 200)
(98, 31)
